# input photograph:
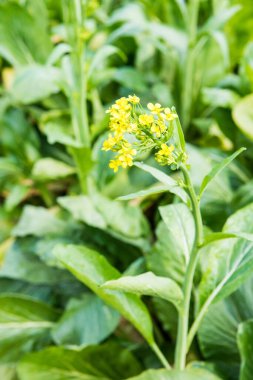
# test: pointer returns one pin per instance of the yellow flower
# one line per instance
(125, 161)
(158, 128)
(146, 119)
(109, 143)
(169, 115)
(114, 164)
(155, 108)
(166, 150)
(133, 99)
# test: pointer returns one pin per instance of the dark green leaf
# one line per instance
(77, 327)
(245, 343)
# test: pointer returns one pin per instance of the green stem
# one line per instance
(187, 90)
(181, 347)
(73, 18)
(160, 356)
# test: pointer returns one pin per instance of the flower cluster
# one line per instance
(152, 129)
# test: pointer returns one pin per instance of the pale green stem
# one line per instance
(160, 356)
(183, 323)
(73, 17)
(188, 85)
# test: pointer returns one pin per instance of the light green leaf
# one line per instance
(76, 326)
(243, 115)
(98, 61)
(8, 372)
(82, 209)
(38, 221)
(226, 235)
(180, 224)
(23, 321)
(17, 193)
(104, 362)
(219, 20)
(157, 189)
(228, 262)
(35, 82)
(57, 363)
(172, 185)
(47, 169)
(245, 343)
(21, 263)
(217, 169)
(93, 270)
(150, 285)
(217, 335)
(219, 97)
(17, 44)
(188, 374)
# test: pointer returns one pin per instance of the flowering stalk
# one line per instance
(134, 130)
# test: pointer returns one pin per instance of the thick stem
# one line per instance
(73, 17)
(187, 90)
(181, 347)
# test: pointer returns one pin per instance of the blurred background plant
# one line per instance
(63, 63)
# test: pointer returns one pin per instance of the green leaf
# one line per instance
(150, 285)
(47, 169)
(98, 61)
(104, 362)
(8, 372)
(157, 189)
(171, 184)
(243, 115)
(21, 263)
(17, 44)
(171, 252)
(219, 97)
(38, 221)
(17, 193)
(226, 235)
(93, 270)
(245, 343)
(217, 335)
(23, 321)
(34, 83)
(57, 363)
(228, 263)
(71, 329)
(188, 374)
(217, 169)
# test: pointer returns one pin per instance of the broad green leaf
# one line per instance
(188, 374)
(157, 189)
(17, 44)
(228, 263)
(57, 363)
(38, 221)
(217, 335)
(217, 169)
(226, 235)
(104, 362)
(47, 169)
(34, 83)
(243, 115)
(82, 209)
(93, 270)
(150, 285)
(172, 185)
(23, 321)
(21, 263)
(98, 61)
(71, 328)
(17, 193)
(179, 219)
(219, 97)
(245, 343)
